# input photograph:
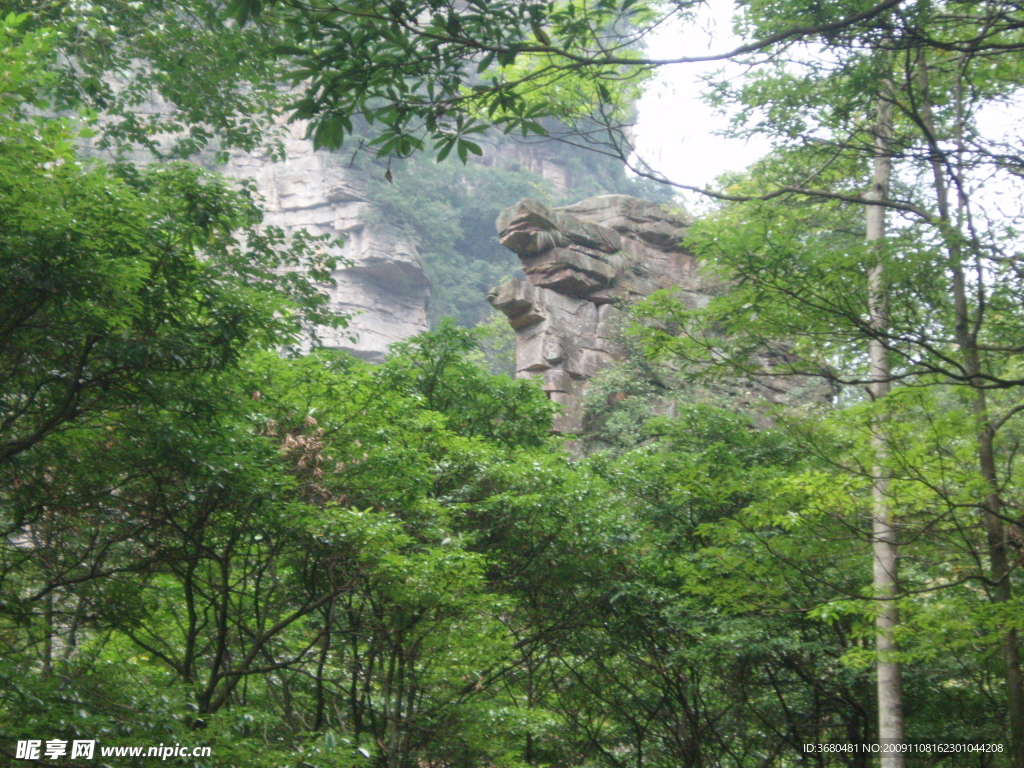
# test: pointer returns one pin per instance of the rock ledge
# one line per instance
(582, 263)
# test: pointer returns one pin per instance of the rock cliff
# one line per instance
(385, 290)
(582, 263)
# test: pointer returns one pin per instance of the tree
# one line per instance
(130, 296)
(885, 544)
(447, 72)
(940, 325)
(113, 281)
(288, 542)
(217, 84)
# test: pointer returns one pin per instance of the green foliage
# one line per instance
(217, 84)
(112, 282)
(281, 512)
(434, 367)
(452, 212)
(743, 531)
(446, 72)
(797, 308)
(311, 560)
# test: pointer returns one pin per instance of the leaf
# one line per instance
(446, 149)
(485, 62)
(242, 10)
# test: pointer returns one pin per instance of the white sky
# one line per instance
(675, 132)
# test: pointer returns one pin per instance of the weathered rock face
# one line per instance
(385, 290)
(582, 262)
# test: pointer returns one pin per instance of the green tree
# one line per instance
(217, 86)
(446, 72)
(284, 548)
(792, 267)
(112, 281)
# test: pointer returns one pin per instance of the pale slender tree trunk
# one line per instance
(885, 544)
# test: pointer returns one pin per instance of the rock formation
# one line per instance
(385, 289)
(582, 263)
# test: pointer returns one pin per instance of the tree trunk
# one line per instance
(884, 534)
(966, 337)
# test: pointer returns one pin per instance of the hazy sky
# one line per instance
(675, 132)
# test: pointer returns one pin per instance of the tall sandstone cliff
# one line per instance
(382, 284)
(383, 288)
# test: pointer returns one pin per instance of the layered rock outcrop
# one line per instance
(582, 263)
(385, 291)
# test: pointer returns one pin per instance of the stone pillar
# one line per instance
(582, 263)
